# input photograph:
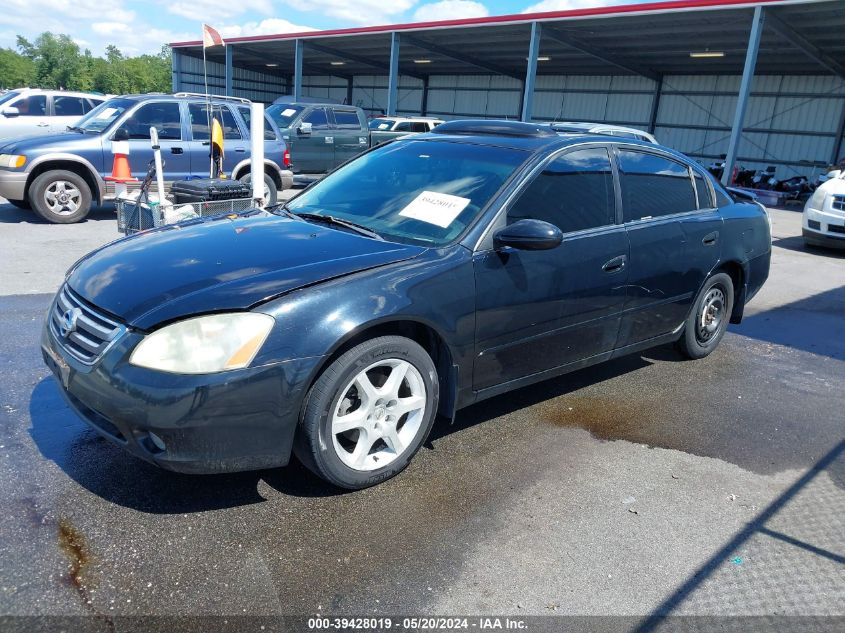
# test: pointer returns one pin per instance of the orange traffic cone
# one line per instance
(120, 173)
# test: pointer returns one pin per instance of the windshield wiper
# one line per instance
(75, 128)
(330, 219)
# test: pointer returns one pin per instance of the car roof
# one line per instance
(69, 93)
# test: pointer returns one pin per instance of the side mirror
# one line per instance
(121, 134)
(528, 235)
(304, 129)
(11, 111)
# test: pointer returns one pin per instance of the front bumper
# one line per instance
(826, 240)
(286, 176)
(212, 423)
(12, 184)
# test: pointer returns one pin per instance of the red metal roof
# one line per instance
(646, 7)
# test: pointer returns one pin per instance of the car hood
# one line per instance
(57, 142)
(223, 263)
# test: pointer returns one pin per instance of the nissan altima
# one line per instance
(423, 276)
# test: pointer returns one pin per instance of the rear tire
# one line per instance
(368, 413)
(708, 319)
(61, 197)
(271, 192)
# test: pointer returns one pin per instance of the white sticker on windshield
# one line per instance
(383, 126)
(289, 112)
(105, 113)
(435, 208)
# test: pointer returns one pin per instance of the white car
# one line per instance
(824, 215)
(31, 111)
(602, 128)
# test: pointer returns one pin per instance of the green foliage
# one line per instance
(56, 61)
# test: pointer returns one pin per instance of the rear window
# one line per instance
(200, 119)
(654, 186)
(246, 114)
(346, 119)
(68, 106)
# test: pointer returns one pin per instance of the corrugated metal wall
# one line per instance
(792, 121)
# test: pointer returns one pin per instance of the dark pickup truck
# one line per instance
(321, 136)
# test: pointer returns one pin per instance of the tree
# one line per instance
(15, 69)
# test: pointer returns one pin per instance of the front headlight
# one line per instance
(816, 201)
(206, 344)
(13, 161)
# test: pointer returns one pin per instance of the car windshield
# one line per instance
(418, 192)
(8, 96)
(283, 114)
(381, 124)
(103, 115)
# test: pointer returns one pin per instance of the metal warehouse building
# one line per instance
(761, 81)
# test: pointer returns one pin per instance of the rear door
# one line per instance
(235, 140)
(350, 134)
(537, 310)
(166, 117)
(67, 110)
(661, 216)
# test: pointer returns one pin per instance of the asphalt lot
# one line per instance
(645, 486)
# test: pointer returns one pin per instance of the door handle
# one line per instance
(615, 265)
(240, 150)
(206, 142)
(711, 238)
(42, 124)
(175, 150)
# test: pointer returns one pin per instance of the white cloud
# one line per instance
(357, 11)
(450, 10)
(270, 26)
(214, 11)
(566, 5)
(108, 29)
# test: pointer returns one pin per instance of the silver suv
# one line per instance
(31, 111)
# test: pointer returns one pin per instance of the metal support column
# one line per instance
(229, 51)
(349, 85)
(393, 76)
(530, 73)
(840, 135)
(297, 70)
(655, 104)
(744, 91)
(424, 105)
(176, 68)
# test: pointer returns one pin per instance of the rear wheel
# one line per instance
(271, 192)
(368, 413)
(708, 319)
(61, 197)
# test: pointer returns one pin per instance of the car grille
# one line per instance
(838, 203)
(93, 332)
(835, 229)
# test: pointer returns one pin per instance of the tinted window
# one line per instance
(347, 120)
(653, 186)
(705, 201)
(574, 192)
(317, 119)
(163, 116)
(283, 114)
(404, 126)
(722, 199)
(34, 105)
(381, 124)
(90, 104)
(200, 119)
(68, 106)
(246, 115)
(419, 127)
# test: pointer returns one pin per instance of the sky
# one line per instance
(142, 27)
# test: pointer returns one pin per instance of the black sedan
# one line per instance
(419, 278)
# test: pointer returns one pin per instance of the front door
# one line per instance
(31, 117)
(537, 310)
(312, 153)
(670, 243)
(166, 117)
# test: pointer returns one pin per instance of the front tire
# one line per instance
(368, 413)
(708, 319)
(60, 197)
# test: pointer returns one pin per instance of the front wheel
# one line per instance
(271, 192)
(708, 319)
(368, 413)
(61, 197)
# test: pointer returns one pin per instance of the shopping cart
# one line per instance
(134, 216)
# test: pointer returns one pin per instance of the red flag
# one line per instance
(210, 37)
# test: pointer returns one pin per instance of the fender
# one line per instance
(71, 158)
(243, 167)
